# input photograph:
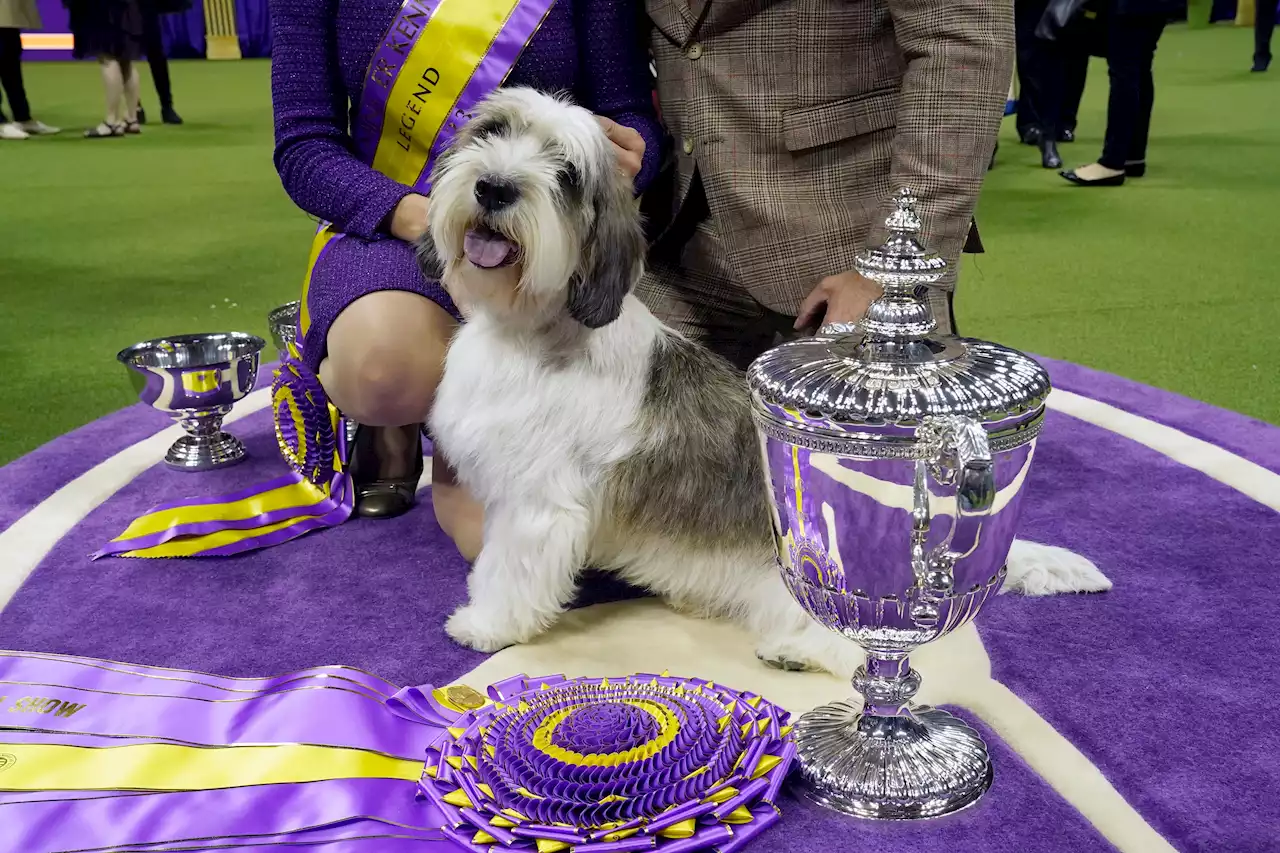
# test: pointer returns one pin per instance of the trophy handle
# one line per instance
(960, 455)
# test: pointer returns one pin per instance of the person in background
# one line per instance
(111, 32)
(1077, 75)
(1051, 80)
(374, 328)
(1264, 23)
(16, 16)
(153, 47)
(1041, 71)
(1133, 29)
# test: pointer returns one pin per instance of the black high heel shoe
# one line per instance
(382, 497)
(1049, 157)
(1112, 181)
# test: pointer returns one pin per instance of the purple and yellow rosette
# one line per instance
(306, 424)
(316, 493)
(648, 762)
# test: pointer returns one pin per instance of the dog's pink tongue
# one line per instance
(486, 250)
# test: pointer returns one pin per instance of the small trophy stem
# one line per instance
(205, 446)
(887, 683)
(202, 423)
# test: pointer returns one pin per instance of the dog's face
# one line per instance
(531, 217)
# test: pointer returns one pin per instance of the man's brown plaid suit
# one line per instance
(793, 122)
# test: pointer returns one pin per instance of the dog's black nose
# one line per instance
(495, 193)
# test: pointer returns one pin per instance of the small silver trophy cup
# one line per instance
(896, 458)
(283, 323)
(196, 379)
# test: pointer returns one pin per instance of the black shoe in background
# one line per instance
(1049, 157)
(1031, 136)
(1261, 63)
(170, 116)
(142, 115)
(1067, 136)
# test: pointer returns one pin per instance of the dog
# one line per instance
(593, 434)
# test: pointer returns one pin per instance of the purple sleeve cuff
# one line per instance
(374, 215)
(647, 126)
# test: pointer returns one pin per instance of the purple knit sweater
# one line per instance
(321, 51)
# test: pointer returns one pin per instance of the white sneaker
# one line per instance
(12, 130)
(39, 128)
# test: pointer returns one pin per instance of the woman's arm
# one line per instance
(313, 153)
(614, 79)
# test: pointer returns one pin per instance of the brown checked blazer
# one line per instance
(802, 116)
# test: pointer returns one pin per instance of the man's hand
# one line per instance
(409, 220)
(628, 145)
(845, 298)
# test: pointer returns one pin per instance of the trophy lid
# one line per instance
(894, 367)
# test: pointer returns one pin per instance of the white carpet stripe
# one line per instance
(1064, 767)
(1227, 468)
(34, 535)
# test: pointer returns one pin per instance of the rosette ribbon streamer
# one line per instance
(316, 493)
(648, 762)
(101, 755)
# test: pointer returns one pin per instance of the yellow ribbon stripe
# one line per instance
(323, 237)
(169, 767)
(668, 729)
(452, 43)
(190, 546)
(294, 495)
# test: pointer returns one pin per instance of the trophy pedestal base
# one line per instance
(925, 765)
(205, 452)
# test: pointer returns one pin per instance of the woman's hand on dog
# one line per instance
(409, 219)
(628, 144)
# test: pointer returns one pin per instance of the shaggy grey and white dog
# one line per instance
(593, 434)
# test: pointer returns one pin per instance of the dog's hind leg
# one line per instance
(524, 577)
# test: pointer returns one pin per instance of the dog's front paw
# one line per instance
(1036, 569)
(478, 629)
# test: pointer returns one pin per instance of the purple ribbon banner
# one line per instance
(366, 811)
(324, 707)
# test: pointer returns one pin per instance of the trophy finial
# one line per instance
(900, 264)
(904, 219)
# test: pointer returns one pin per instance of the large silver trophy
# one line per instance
(196, 379)
(896, 457)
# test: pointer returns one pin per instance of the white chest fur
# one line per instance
(519, 420)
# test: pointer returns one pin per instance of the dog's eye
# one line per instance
(568, 177)
(490, 127)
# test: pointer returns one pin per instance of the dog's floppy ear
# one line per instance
(428, 258)
(613, 257)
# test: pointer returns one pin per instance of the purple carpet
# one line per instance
(1157, 682)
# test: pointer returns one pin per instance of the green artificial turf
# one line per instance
(1170, 280)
